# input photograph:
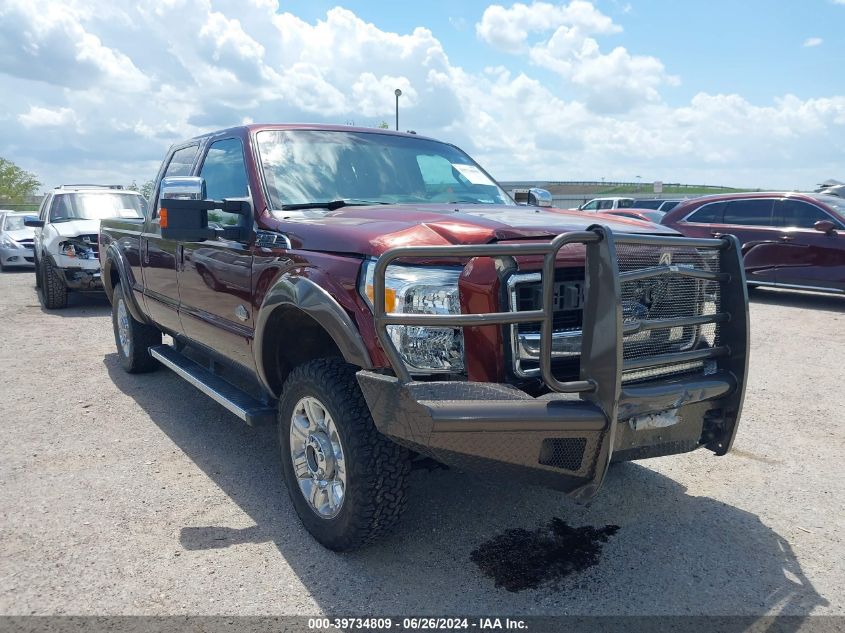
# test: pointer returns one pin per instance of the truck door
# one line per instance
(215, 277)
(159, 257)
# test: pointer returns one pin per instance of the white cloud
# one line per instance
(45, 117)
(614, 82)
(102, 88)
(814, 41)
(507, 29)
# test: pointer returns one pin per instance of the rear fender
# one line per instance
(115, 261)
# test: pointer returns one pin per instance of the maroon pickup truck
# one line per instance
(384, 302)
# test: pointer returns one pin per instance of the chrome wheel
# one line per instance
(123, 326)
(317, 457)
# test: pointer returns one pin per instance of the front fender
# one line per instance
(302, 293)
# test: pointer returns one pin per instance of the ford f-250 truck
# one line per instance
(380, 298)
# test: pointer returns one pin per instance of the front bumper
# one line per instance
(554, 440)
(81, 279)
(17, 257)
(567, 438)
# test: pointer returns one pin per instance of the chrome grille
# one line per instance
(666, 295)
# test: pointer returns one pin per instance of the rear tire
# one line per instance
(133, 338)
(53, 293)
(374, 469)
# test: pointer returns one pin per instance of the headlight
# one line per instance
(8, 242)
(80, 250)
(417, 290)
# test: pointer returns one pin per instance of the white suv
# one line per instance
(603, 204)
(66, 237)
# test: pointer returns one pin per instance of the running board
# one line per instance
(243, 405)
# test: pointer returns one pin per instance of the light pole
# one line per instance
(398, 94)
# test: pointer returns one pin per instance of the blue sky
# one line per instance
(740, 93)
(754, 47)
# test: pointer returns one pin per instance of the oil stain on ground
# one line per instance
(521, 559)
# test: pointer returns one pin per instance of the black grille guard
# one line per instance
(602, 361)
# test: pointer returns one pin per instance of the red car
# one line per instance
(789, 240)
(646, 215)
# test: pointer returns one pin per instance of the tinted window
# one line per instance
(604, 204)
(648, 204)
(669, 205)
(625, 203)
(225, 177)
(182, 161)
(708, 214)
(753, 212)
(789, 213)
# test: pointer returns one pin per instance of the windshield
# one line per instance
(308, 166)
(96, 206)
(14, 223)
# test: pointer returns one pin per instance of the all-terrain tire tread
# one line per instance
(53, 290)
(143, 337)
(380, 495)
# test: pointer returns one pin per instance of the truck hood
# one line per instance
(72, 228)
(371, 230)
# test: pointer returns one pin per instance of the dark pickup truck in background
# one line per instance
(380, 298)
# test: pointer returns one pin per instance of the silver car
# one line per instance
(15, 241)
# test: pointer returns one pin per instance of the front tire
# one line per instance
(133, 338)
(347, 481)
(53, 295)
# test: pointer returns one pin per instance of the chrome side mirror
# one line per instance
(182, 188)
(539, 197)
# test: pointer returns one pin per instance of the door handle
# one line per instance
(786, 238)
(180, 257)
(717, 234)
(145, 250)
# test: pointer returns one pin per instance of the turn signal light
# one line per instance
(162, 218)
(389, 297)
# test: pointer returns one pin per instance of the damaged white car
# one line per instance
(66, 246)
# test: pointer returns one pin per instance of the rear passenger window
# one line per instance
(708, 214)
(182, 161)
(753, 212)
(180, 165)
(795, 213)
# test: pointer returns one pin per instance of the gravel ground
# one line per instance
(138, 495)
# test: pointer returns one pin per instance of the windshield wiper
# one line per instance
(331, 206)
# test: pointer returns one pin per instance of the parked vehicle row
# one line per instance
(384, 302)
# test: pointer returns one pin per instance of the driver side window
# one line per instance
(224, 171)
